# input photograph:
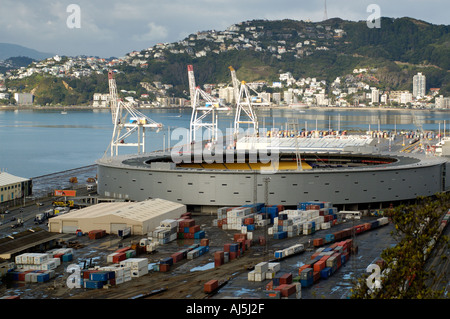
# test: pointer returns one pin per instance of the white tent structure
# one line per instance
(141, 217)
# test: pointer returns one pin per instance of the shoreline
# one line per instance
(320, 108)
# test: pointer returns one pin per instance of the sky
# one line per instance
(112, 28)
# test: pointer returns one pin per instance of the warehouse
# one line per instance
(141, 217)
(13, 188)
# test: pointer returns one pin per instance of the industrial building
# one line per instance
(142, 217)
(13, 188)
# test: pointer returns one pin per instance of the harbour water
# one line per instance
(39, 142)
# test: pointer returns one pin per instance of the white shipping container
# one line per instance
(262, 267)
(251, 275)
(274, 267)
(139, 272)
(260, 276)
(270, 275)
(250, 235)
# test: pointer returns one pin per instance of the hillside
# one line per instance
(8, 50)
(260, 50)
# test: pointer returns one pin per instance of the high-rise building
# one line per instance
(375, 96)
(419, 85)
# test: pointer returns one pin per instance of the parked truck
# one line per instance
(124, 233)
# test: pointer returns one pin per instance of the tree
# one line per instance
(406, 275)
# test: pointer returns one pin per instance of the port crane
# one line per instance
(204, 109)
(244, 106)
(259, 99)
(136, 123)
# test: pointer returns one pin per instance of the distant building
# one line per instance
(375, 96)
(419, 85)
(227, 94)
(442, 102)
(23, 98)
(100, 100)
(13, 187)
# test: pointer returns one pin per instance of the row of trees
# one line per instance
(406, 273)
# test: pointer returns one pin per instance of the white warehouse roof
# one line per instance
(140, 216)
(8, 179)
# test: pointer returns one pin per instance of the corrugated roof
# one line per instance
(8, 179)
(139, 211)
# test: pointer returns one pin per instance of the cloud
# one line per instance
(155, 33)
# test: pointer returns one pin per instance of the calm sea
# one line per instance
(39, 142)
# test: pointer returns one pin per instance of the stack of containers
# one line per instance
(64, 254)
(31, 276)
(197, 252)
(187, 229)
(263, 271)
(166, 232)
(186, 253)
(234, 250)
(122, 273)
(97, 279)
(306, 277)
(138, 266)
(325, 261)
(259, 273)
(120, 255)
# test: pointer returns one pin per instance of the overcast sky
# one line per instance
(113, 28)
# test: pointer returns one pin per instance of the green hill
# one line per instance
(326, 50)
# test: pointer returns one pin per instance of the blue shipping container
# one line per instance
(200, 234)
(98, 276)
(325, 273)
(67, 257)
(306, 282)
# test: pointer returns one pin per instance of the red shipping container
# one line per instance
(226, 248)
(194, 229)
(317, 242)
(286, 279)
(178, 256)
(233, 254)
(280, 208)
(218, 262)
(318, 266)
(219, 255)
(269, 286)
(186, 223)
(324, 258)
(204, 242)
(164, 267)
(239, 236)
(122, 250)
(286, 290)
(249, 221)
(316, 276)
(22, 276)
(211, 285)
(119, 257)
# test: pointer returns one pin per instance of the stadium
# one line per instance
(352, 174)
